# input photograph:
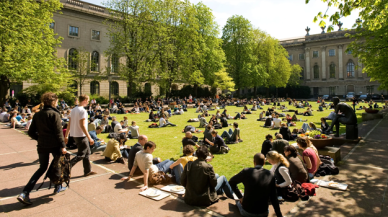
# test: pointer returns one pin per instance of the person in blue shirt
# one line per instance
(19, 117)
(98, 144)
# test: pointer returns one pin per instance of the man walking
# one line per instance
(78, 129)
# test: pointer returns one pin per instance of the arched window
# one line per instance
(332, 70)
(350, 69)
(115, 63)
(95, 87)
(114, 88)
(316, 71)
(73, 59)
(302, 74)
(95, 61)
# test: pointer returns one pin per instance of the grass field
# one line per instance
(168, 139)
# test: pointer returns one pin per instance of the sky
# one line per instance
(281, 19)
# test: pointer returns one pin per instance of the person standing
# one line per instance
(46, 128)
(78, 129)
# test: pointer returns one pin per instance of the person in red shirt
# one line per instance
(310, 158)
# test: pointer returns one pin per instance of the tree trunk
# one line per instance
(255, 91)
(130, 84)
(267, 95)
(168, 89)
(276, 92)
(4, 86)
(196, 90)
(80, 88)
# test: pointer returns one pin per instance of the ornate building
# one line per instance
(327, 67)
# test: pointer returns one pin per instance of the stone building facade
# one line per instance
(328, 68)
(81, 25)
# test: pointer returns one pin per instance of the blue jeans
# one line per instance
(223, 186)
(247, 214)
(306, 127)
(227, 135)
(177, 171)
(164, 166)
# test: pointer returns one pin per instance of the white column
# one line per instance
(323, 62)
(307, 57)
(340, 63)
(359, 69)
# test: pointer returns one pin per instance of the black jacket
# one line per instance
(46, 128)
(266, 147)
(200, 182)
(286, 133)
(259, 186)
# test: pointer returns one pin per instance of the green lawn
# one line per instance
(168, 139)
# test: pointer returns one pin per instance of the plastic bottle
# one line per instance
(181, 152)
(300, 119)
(332, 160)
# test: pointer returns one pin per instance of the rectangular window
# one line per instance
(73, 31)
(331, 91)
(290, 58)
(331, 53)
(52, 25)
(315, 54)
(95, 35)
(369, 89)
(301, 56)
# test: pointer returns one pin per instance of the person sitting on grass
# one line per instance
(119, 128)
(297, 170)
(125, 121)
(246, 110)
(107, 113)
(217, 145)
(207, 135)
(213, 120)
(188, 140)
(279, 144)
(163, 122)
(201, 183)
(224, 121)
(280, 170)
(308, 112)
(14, 122)
(202, 121)
(259, 188)
(289, 120)
(28, 123)
(254, 107)
(267, 144)
(286, 133)
(232, 136)
(144, 161)
(135, 131)
(276, 122)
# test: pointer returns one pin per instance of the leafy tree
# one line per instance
(223, 80)
(370, 43)
(178, 49)
(28, 45)
(132, 37)
(295, 75)
(237, 44)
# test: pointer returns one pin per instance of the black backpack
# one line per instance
(59, 171)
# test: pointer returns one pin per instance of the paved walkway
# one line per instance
(364, 169)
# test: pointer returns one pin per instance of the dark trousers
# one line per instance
(83, 153)
(44, 163)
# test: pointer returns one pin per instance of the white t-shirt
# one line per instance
(276, 122)
(76, 115)
(161, 122)
(118, 127)
(2, 116)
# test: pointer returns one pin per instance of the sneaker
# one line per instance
(91, 173)
(59, 189)
(24, 199)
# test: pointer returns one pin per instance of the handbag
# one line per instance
(159, 178)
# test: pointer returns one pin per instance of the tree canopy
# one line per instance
(28, 45)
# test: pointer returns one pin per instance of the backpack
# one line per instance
(59, 171)
(153, 125)
(113, 135)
